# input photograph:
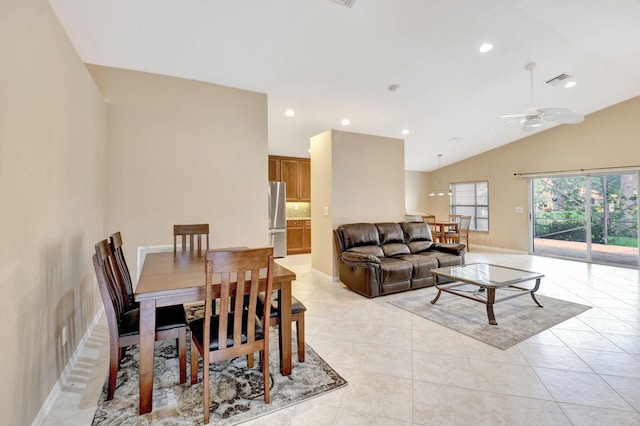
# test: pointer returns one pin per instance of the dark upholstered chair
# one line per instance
(124, 324)
(297, 316)
(237, 330)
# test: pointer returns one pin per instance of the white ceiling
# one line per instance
(328, 61)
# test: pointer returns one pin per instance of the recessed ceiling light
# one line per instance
(289, 113)
(486, 47)
(405, 131)
(345, 122)
(570, 84)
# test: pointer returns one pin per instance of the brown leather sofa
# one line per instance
(382, 258)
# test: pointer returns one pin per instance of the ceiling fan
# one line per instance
(534, 118)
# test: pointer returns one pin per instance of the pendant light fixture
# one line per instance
(440, 191)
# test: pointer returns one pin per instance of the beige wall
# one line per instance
(607, 138)
(416, 187)
(322, 196)
(182, 151)
(366, 185)
(52, 192)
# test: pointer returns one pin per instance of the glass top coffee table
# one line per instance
(488, 278)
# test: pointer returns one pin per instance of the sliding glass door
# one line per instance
(592, 218)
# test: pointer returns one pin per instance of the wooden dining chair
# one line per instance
(115, 241)
(297, 317)
(124, 324)
(238, 331)
(431, 220)
(193, 234)
(461, 233)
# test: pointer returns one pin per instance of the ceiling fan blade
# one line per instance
(531, 124)
(561, 115)
(505, 122)
(514, 116)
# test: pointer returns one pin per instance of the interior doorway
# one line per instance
(593, 218)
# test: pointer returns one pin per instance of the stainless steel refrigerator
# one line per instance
(278, 218)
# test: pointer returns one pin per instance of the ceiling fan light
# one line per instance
(531, 124)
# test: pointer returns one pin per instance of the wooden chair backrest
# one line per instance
(430, 219)
(455, 218)
(110, 284)
(465, 224)
(225, 268)
(192, 234)
(116, 247)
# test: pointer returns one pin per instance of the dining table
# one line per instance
(169, 278)
(441, 228)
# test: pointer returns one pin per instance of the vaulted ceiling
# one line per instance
(329, 61)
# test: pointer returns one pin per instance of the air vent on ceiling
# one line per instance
(347, 3)
(558, 79)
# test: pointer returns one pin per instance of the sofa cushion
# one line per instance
(394, 270)
(456, 249)
(371, 250)
(416, 231)
(390, 233)
(419, 246)
(445, 259)
(395, 249)
(422, 263)
(359, 234)
(417, 235)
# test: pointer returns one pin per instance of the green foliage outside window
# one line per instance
(559, 205)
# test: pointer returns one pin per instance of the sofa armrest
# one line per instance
(456, 249)
(351, 257)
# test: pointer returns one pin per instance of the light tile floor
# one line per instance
(406, 370)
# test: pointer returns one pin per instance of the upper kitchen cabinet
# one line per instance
(295, 172)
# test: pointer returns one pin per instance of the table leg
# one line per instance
(285, 328)
(491, 298)
(435, 299)
(147, 343)
(533, 296)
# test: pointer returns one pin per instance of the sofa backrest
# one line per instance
(384, 239)
(417, 235)
(359, 238)
(392, 239)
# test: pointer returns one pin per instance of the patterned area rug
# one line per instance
(518, 318)
(236, 392)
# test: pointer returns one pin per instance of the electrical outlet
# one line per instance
(64, 335)
(519, 210)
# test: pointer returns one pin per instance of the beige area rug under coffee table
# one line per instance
(518, 318)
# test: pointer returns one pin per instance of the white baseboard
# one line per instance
(55, 391)
(325, 276)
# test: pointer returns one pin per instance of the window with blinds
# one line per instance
(472, 199)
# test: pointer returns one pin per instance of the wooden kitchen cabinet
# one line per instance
(274, 170)
(295, 172)
(304, 190)
(298, 236)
